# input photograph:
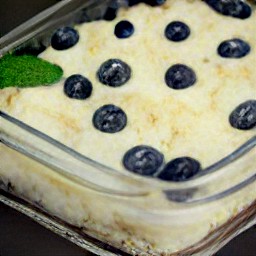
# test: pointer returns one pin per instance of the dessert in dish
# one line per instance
(154, 92)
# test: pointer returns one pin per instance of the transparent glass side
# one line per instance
(238, 168)
(132, 223)
(147, 207)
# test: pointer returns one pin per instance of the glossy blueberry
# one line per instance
(233, 48)
(155, 2)
(124, 29)
(78, 87)
(64, 38)
(149, 2)
(133, 2)
(180, 77)
(109, 119)
(177, 31)
(111, 11)
(180, 169)
(114, 73)
(143, 160)
(110, 14)
(34, 49)
(243, 117)
(235, 8)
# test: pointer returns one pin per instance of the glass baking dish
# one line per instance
(206, 211)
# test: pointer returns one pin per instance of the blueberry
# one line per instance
(143, 160)
(235, 8)
(114, 73)
(124, 29)
(110, 14)
(149, 2)
(155, 2)
(109, 119)
(78, 87)
(34, 49)
(177, 31)
(180, 77)
(111, 11)
(180, 169)
(233, 48)
(64, 38)
(243, 117)
(134, 2)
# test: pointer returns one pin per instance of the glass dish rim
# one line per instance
(155, 183)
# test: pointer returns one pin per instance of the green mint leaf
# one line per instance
(27, 71)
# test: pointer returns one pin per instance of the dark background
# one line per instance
(19, 236)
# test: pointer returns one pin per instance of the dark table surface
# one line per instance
(19, 236)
